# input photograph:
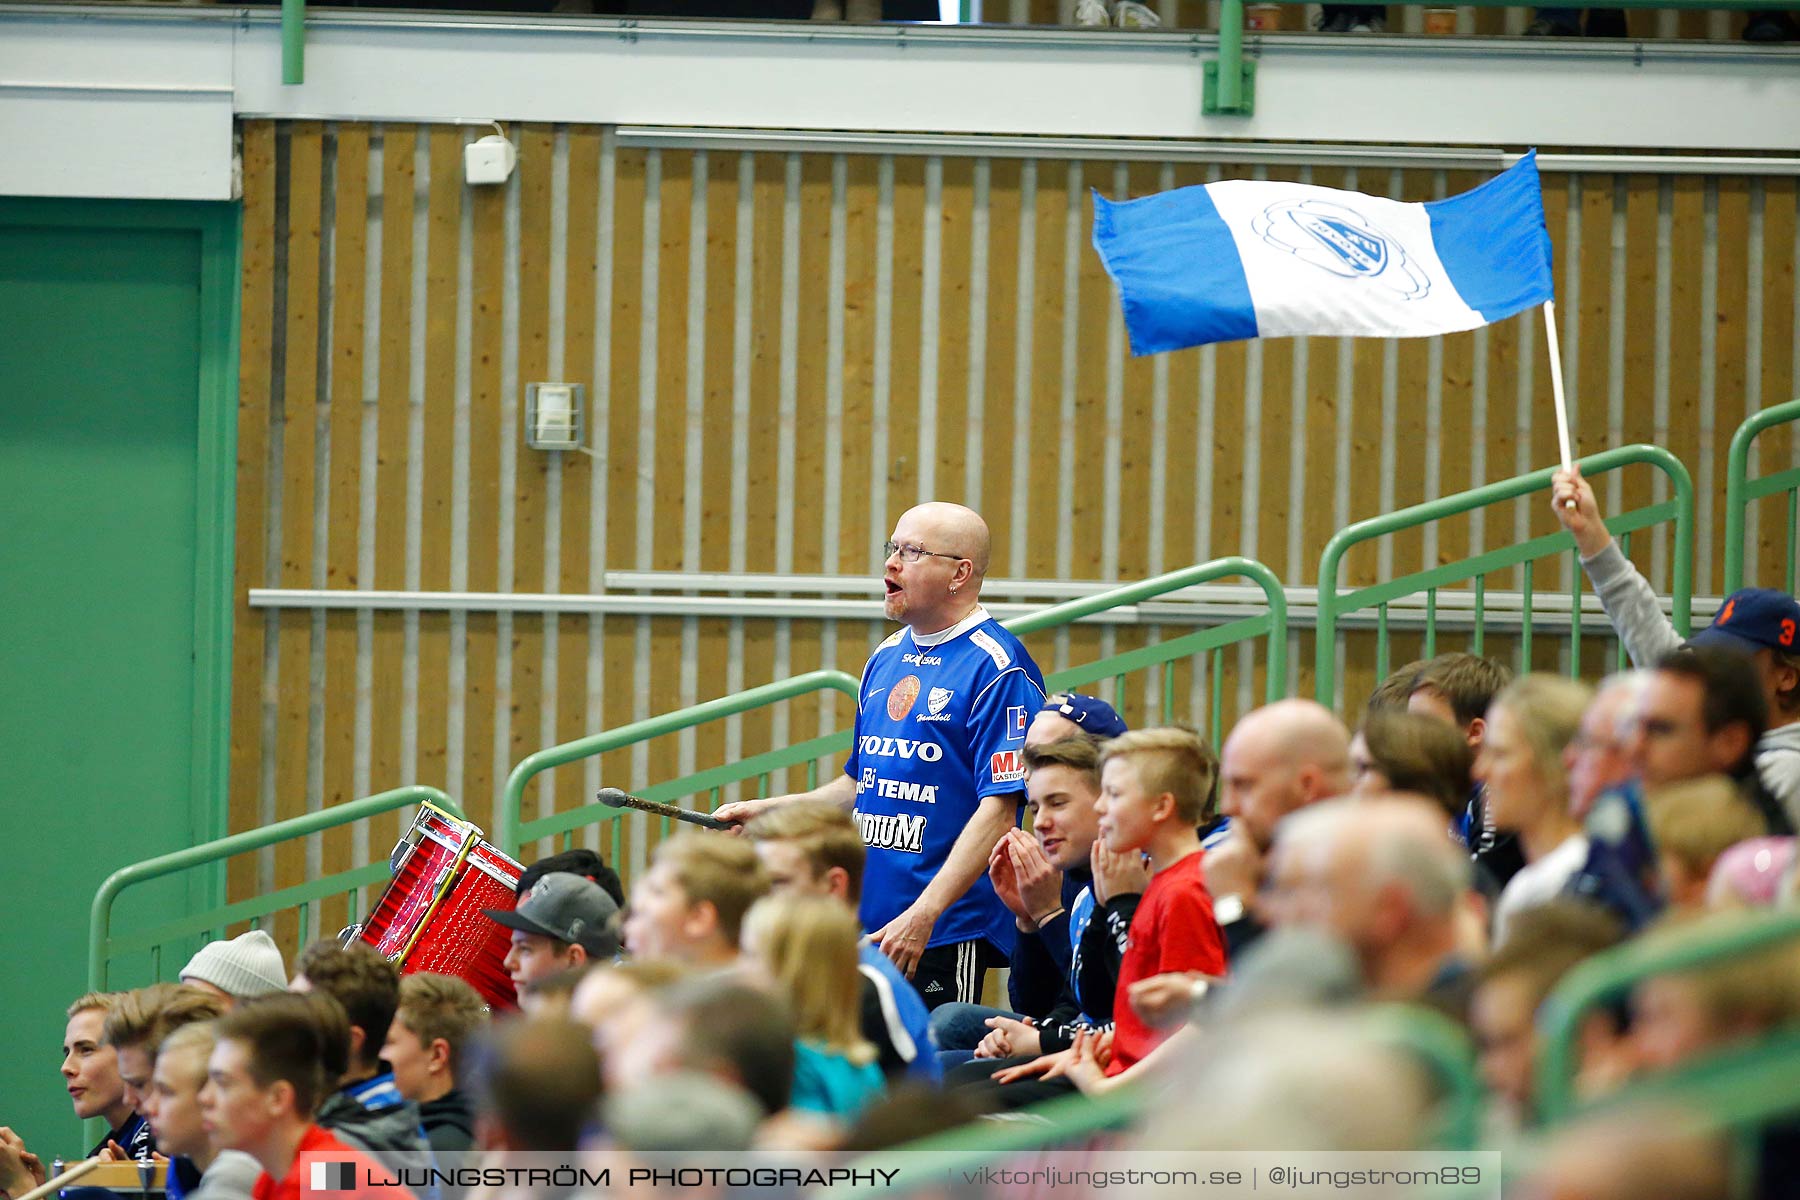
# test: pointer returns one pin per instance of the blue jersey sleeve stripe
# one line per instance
(1002, 675)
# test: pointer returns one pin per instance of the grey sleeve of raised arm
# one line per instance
(1631, 606)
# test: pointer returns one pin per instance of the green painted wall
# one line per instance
(111, 351)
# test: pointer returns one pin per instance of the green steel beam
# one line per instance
(1228, 86)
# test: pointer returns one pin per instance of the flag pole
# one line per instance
(1556, 388)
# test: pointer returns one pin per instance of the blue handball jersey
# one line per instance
(938, 728)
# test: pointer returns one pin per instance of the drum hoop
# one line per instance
(491, 872)
(471, 839)
(465, 830)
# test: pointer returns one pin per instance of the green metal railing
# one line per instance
(1710, 1082)
(1212, 641)
(1064, 1123)
(105, 946)
(1444, 1048)
(512, 831)
(1229, 80)
(1741, 492)
(1334, 605)
(1432, 1039)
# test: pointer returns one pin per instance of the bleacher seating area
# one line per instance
(700, 640)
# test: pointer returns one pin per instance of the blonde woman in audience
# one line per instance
(803, 948)
(1529, 725)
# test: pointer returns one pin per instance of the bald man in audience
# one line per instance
(1381, 875)
(1278, 759)
(936, 774)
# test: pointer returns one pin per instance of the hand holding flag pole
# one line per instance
(1556, 388)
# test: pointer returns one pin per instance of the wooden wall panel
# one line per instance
(1052, 349)
(299, 330)
(1768, 562)
(343, 510)
(532, 477)
(444, 211)
(250, 546)
(388, 762)
(780, 351)
(1637, 365)
(1731, 337)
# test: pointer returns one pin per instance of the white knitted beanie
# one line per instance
(247, 965)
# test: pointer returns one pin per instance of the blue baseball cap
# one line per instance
(1096, 717)
(1754, 619)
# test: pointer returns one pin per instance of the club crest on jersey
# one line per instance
(937, 699)
(901, 697)
(1008, 766)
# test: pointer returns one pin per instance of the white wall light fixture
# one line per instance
(555, 416)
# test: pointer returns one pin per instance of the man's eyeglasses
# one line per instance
(912, 554)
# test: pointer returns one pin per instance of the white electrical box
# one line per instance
(554, 416)
(489, 160)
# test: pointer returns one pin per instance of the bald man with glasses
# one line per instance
(936, 774)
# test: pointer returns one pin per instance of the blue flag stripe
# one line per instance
(1493, 243)
(1176, 268)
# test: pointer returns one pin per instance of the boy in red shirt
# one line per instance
(1153, 789)
(275, 1059)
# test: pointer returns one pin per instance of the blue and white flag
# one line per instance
(1245, 258)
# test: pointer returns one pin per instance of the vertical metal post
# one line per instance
(293, 41)
(1231, 55)
(1382, 657)
(1480, 638)
(1793, 526)
(1574, 616)
(1525, 622)
(1218, 693)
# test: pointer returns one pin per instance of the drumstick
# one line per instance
(62, 1181)
(614, 798)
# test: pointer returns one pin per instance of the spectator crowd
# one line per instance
(1213, 929)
